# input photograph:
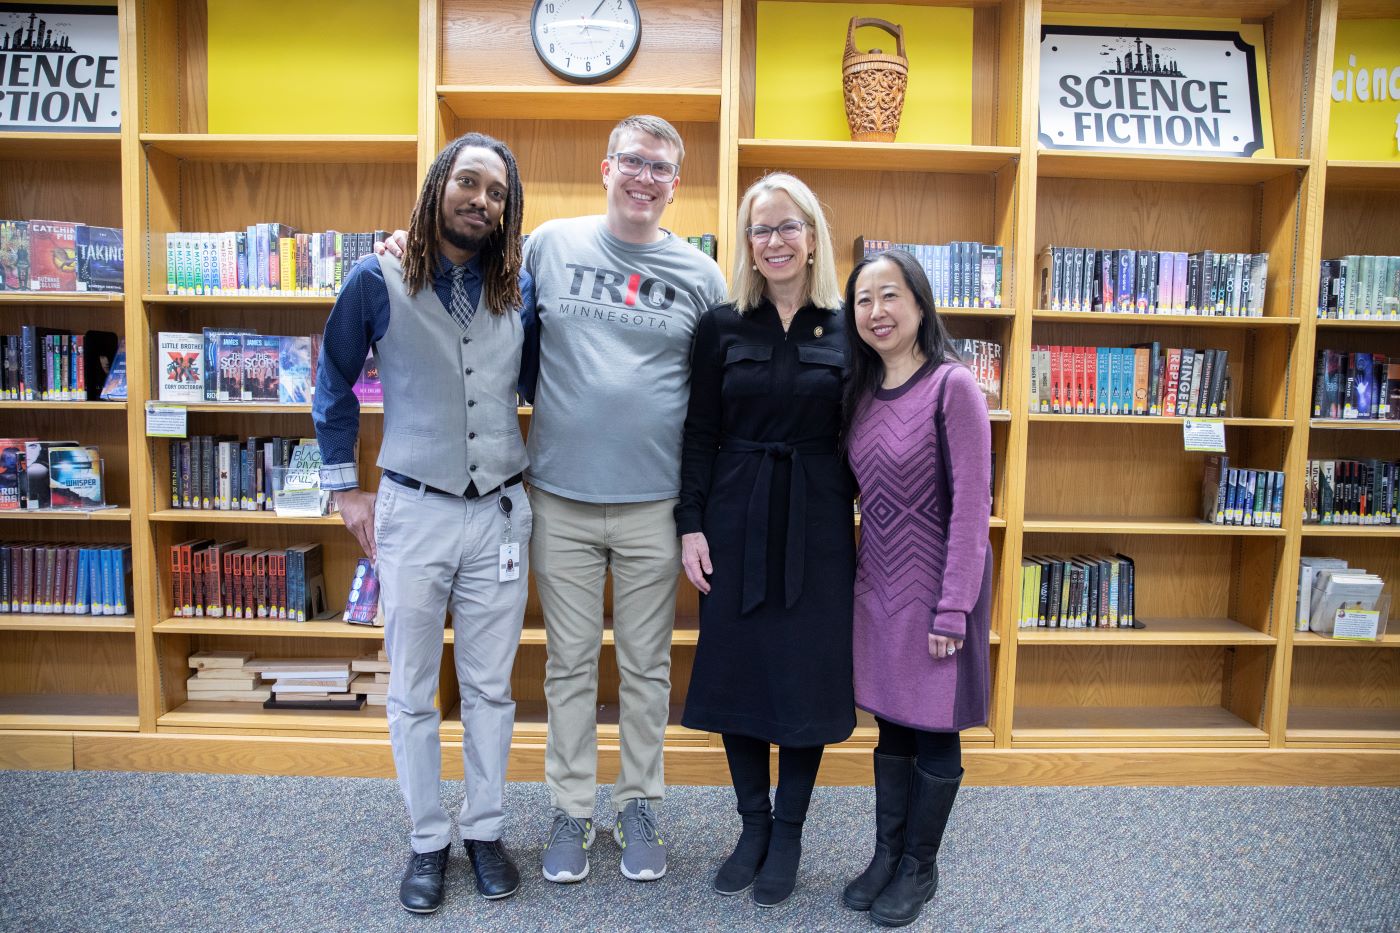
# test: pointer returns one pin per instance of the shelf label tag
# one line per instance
(298, 503)
(1204, 434)
(164, 420)
(1358, 624)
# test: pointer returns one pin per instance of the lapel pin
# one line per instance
(818, 332)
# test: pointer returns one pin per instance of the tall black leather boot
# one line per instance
(916, 877)
(892, 776)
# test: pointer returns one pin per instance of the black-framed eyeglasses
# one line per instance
(788, 230)
(661, 171)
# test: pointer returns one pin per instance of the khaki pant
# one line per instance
(573, 546)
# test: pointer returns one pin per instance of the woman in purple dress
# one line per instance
(919, 442)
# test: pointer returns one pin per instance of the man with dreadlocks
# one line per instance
(450, 524)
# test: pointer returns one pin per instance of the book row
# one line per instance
(226, 473)
(1241, 496)
(264, 259)
(65, 579)
(983, 357)
(289, 683)
(229, 580)
(1143, 379)
(1352, 492)
(1327, 585)
(36, 475)
(237, 366)
(54, 256)
(962, 274)
(1358, 287)
(43, 364)
(1356, 386)
(1083, 591)
(706, 244)
(1145, 281)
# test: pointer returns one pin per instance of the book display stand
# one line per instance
(1216, 688)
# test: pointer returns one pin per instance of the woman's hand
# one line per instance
(394, 245)
(695, 558)
(941, 646)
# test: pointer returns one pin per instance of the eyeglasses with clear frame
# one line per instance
(788, 230)
(661, 171)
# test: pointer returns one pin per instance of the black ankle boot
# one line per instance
(424, 881)
(916, 877)
(777, 878)
(892, 773)
(738, 871)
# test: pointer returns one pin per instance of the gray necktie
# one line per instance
(460, 307)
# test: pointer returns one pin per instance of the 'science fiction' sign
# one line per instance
(1148, 90)
(58, 68)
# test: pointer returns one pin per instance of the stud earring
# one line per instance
(810, 260)
(754, 266)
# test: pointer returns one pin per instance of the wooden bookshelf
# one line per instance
(1217, 670)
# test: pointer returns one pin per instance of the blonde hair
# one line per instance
(652, 126)
(822, 289)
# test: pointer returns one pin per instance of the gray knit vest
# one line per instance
(449, 397)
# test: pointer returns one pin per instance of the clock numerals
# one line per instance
(564, 30)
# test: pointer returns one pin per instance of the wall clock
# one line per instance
(586, 41)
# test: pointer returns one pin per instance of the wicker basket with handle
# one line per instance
(874, 84)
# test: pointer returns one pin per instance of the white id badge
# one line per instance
(510, 562)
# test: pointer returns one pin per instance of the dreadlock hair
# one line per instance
(500, 257)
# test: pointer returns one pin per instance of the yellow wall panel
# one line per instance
(1365, 86)
(800, 46)
(313, 66)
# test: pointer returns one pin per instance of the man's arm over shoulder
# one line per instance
(530, 353)
(359, 318)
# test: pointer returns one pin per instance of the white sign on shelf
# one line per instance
(1149, 90)
(1359, 624)
(1204, 434)
(166, 420)
(60, 68)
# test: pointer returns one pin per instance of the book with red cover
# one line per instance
(53, 256)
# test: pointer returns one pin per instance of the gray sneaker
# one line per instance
(643, 850)
(565, 856)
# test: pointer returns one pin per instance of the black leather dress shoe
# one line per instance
(496, 874)
(424, 881)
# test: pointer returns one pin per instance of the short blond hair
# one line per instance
(652, 126)
(822, 289)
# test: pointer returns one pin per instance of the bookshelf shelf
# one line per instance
(251, 408)
(62, 406)
(1351, 531)
(37, 622)
(1189, 320)
(1157, 526)
(1143, 726)
(1156, 419)
(797, 154)
(239, 517)
(973, 314)
(1357, 324)
(1118, 166)
(105, 299)
(1314, 640)
(61, 147)
(524, 102)
(95, 712)
(1378, 175)
(1336, 424)
(1158, 632)
(211, 147)
(202, 715)
(1347, 726)
(249, 301)
(686, 632)
(281, 628)
(34, 515)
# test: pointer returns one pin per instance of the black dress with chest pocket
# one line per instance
(762, 478)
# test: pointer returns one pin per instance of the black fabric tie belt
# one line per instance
(756, 528)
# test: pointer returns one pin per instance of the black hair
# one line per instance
(867, 370)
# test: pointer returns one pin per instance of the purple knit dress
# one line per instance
(924, 564)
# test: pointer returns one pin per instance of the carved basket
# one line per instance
(874, 84)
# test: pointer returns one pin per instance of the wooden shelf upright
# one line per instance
(1217, 688)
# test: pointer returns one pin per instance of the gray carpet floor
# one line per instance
(117, 851)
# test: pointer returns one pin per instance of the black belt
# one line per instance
(756, 530)
(471, 492)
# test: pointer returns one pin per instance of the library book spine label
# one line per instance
(1149, 90)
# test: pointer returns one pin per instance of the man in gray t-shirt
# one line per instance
(617, 299)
